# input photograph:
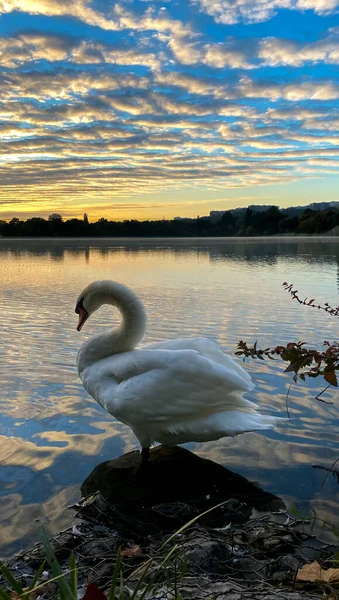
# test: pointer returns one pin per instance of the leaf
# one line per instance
(4, 595)
(115, 576)
(290, 368)
(65, 592)
(73, 576)
(11, 579)
(294, 512)
(132, 552)
(330, 377)
(314, 572)
(37, 576)
(93, 593)
(335, 531)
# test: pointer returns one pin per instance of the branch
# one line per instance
(334, 312)
(303, 362)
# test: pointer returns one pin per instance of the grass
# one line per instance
(67, 584)
(166, 567)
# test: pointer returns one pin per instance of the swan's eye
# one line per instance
(79, 306)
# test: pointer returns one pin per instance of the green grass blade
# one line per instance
(141, 580)
(115, 576)
(73, 576)
(64, 589)
(151, 583)
(173, 536)
(121, 587)
(44, 583)
(4, 595)
(37, 576)
(11, 579)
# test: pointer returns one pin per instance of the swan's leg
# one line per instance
(145, 457)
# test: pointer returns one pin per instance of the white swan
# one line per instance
(171, 392)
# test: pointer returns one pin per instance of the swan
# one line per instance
(171, 392)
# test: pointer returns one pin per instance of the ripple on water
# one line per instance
(52, 434)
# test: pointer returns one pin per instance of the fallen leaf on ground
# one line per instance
(314, 572)
(132, 552)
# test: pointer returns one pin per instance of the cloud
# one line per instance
(267, 144)
(294, 92)
(191, 83)
(232, 53)
(65, 84)
(291, 113)
(255, 11)
(35, 46)
(277, 51)
(185, 51)
(150, 20)
(87, 53)
(160, 107)
(79, 9)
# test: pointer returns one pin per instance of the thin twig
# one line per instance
(322, 392)
(287, 396)
(328, 472)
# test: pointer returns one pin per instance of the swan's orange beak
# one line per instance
(83, 316)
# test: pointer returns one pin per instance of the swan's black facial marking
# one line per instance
(82, 312)
(79, 306)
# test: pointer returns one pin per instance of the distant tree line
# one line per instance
(247, 222)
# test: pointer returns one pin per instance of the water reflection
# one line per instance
(251, 250)
(52, 434)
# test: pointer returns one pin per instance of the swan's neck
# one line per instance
(122, 339)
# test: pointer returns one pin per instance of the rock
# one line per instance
(176, 486)
(205, 551)
(204, 588)
(284, 568)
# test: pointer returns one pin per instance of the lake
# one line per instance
(52, 434)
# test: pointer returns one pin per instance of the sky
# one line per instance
(160, 108)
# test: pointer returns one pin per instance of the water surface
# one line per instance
(52, 434)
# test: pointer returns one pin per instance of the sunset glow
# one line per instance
(149, 110)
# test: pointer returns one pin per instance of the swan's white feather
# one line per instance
(170, 392)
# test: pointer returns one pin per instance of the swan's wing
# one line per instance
(164, 385)
(206, 348)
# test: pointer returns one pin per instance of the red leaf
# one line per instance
(93, 593)
(330, 377)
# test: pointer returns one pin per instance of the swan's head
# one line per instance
(107, 292)
(90, 299)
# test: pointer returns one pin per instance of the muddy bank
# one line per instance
(248, 547)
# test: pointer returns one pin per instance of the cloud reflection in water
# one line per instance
(52, 434)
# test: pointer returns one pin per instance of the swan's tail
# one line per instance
(218, 425)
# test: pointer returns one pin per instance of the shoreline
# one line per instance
(240, 539)
(289, 237)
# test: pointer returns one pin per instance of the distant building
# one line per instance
(216, 215)
(322, 205)
(261, 207)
